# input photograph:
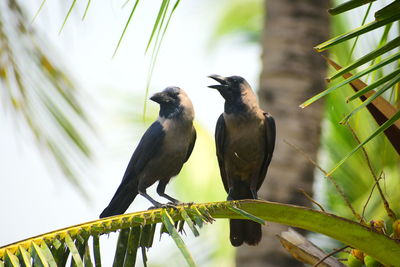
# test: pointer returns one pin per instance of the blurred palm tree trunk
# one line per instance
(292, 72)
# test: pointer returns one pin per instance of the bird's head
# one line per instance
(230, 88)
(173, 102)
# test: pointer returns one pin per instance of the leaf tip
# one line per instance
(317, 49)
(346, 119)
(331, 171)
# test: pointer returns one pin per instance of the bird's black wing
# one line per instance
(191, 145)
(270, 134)
(149, 146)
(219, 142)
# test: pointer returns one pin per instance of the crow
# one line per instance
(161, 153)
(245, 141)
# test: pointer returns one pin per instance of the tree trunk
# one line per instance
(292, 72)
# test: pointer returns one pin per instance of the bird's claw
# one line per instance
(182, 203)
(188, 203)
(154, 207)
(169, 205)
(163, 206)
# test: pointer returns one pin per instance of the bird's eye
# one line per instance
(172, 95)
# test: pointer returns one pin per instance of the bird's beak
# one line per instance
(158, 97)
(222, 80)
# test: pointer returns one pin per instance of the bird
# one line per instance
(165, 146)
(245, 141)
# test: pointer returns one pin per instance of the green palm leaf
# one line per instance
(126, 27)
(388, 11)
(373, 85)
(169, 224)
(375, 244)
(370, 69)
(67, 16)
(387, 81)
(96, 250)
(346, 6)
(133, 244)
(381, 128)
(395, 43)
(159, 21)
(379, 92)
(86, 9)
(356, 32)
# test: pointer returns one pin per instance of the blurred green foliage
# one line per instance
(239, 19)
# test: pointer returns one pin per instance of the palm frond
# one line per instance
(358, 75)
(169, 224)
(38, 11)
(126, 27)
(379, 108)
(161, 28)
(37, 89)
(383, 18)
(356, 32)
(384, 67)
(67, 16)
(381, 129)
(136, 231)
(346, 6)
(388, 11)
(393, 44)
(86, 9)
(377, 160)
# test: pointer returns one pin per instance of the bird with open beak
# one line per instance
(161, 153)
(245, 141)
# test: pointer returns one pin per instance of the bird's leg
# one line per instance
(230, 180)
(254, 193)
(230, 192)
(161, 191)
(253, 186)
(149, 198)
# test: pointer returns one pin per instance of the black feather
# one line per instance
(270, 135)
(219, 142)
(149, 145)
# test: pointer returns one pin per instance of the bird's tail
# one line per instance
(244, 231)
(121, 200)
